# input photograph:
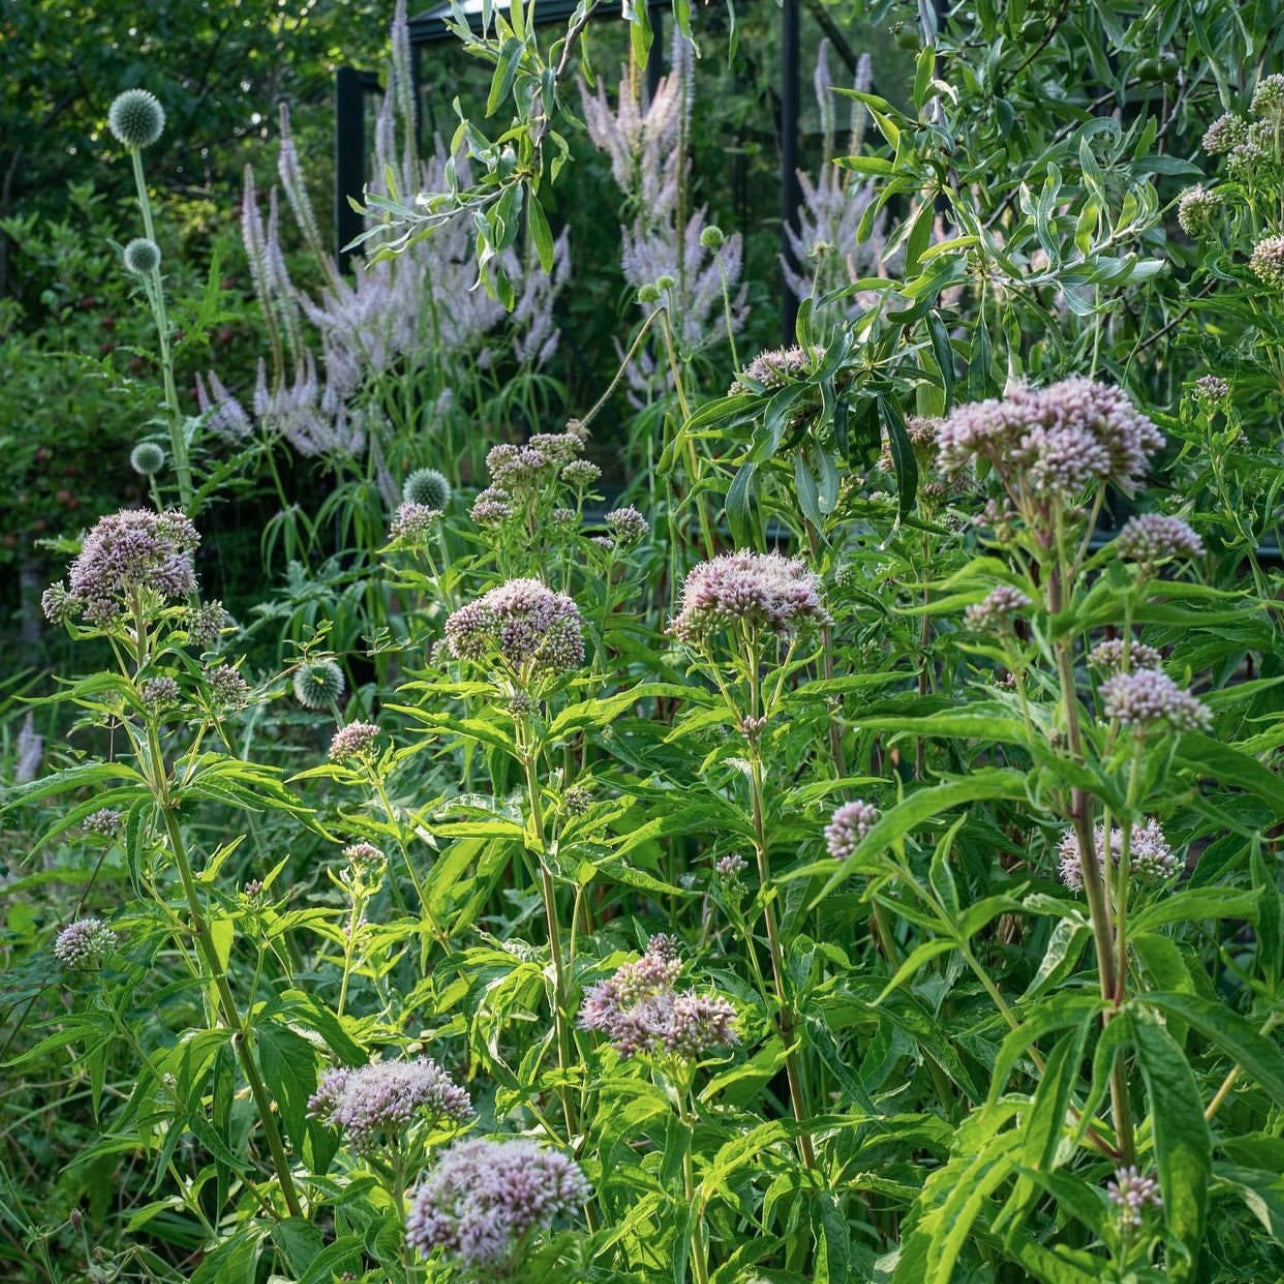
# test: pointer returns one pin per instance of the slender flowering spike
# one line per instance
(1155, 538)
(1109, 655)
(1145, 698)
(136, 118)
(376, 1103)
(848, 826)
(523, 624)
(1267, 260)
(765, 591)
(29, 751)
(1132, 1194)
(84, 944)
(994, 612)
(428, 487)
(354, 740)
(484, 1197)
(1054, 441)
(125, 553)
(318, 684)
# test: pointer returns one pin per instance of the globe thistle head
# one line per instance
(142, 256)
(1152, 539)
(356, 740)
(136, 118)
(764, 591)
(848, 827)
(483, 1199)
(1197, 210)
(375, 1104)
(1267, 260)
(147, 458)
(1148, 699)
(318, 684)
(995, 611)
(428, 488)
(1224, 133)
(84, 943)
(530, 631)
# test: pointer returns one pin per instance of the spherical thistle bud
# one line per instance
(848, 828)
(136, 118)
(147, 458)
(1268, 98)
(142, 256)
(995, 611)
(712, 237)
(428, 487)
(1151, 539)
(84, 943)
(318, 684)
(1267, 260)
(356, 740)
(1197, 211)
(1224, 133)
(648, 293)
(665, 282)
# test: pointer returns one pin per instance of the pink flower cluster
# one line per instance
(763, 591)
(525, 625)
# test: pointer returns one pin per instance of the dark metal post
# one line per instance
(349, 157)
(790, 194)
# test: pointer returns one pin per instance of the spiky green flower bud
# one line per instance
(136, 118)
(147, 458)
(142, 256)
(318, 683)
(428, 487)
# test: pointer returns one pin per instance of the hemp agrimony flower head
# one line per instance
(353, 741)
(640, 1011)
(730, 867)
(1211, 391)
(528, 630)
(106, 822)
(136, 118)
(127, 553)
(994, 612)
(1054, 442)
(761, 591)
(412, 522)
(484, 1198)
(774, 368)
(1147, 699)
(492, 507)
(427, 487)
(205, 625)
(626, 526)
(848, 827)
(581, 474)
(318, 683)
(1132, 1194)
(142, 256)
(577, 800)
(1109, 655)
(1268, 98)
(1224, 133)
(158, 693)
(84, 943)
(147, 458)
(1197, 210)
(1267, 260)
(229, 690)
(1247, 160)
(1152, 539)
(376, 1103)
(1150, 857)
